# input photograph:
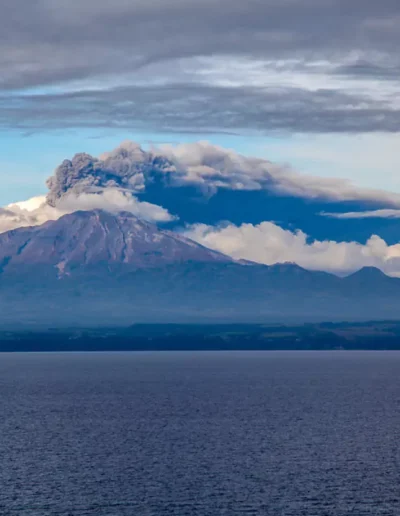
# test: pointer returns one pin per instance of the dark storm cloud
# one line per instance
(52, 42)
(200, 108)
(364, 69)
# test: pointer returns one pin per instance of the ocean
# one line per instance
(200, 433)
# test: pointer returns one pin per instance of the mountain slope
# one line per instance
(93, 238)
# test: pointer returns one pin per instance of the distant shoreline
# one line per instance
(372, 335)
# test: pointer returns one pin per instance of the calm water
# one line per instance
(200, 434)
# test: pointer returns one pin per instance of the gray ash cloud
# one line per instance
(128, 167)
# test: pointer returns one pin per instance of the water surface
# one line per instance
(220, 433)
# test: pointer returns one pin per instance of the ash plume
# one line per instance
(128, 168)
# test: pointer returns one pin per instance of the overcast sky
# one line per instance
(314, 83)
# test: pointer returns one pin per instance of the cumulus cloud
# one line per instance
(37, 210)
(33, 212)
(268, 243)
(370, 214)
(114, 201)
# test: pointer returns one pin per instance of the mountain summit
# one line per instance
(90, 238)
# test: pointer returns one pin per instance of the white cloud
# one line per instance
(268, 243)
(30, 205)
(113, 200)
(372, 214)
(33, 212)
(36, 211)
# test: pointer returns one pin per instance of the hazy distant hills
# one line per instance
(98, 268)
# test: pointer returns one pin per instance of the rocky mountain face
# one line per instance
(95, 268)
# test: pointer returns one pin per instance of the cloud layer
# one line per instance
(268, 243)
(190, 107)
(215, 65)
(371, 214)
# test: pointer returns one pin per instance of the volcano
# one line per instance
(86, 239)
(99, 268)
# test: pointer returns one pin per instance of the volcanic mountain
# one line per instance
(98, 268)
(85, 239)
